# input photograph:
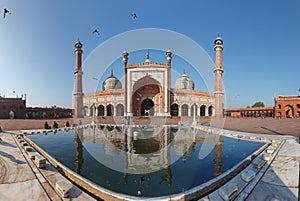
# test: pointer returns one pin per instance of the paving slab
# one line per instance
(290, 148)
(264, 191)
(284, 171)
(27, 190)
(14, 167)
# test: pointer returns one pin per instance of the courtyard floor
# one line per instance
(21, 180)
(252, 125)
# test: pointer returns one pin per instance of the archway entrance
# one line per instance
(147, 98)
(110, 110)
(210, 111)
(101, 110)
(11, 114)
(184, 110)
(147, 107)
(202, 110)
(174, 110)
(289, 111)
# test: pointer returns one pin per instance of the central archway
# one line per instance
(147, 98)
(147, 107)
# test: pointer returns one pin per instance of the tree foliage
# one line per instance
(258, 104)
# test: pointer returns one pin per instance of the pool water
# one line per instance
(145, 161)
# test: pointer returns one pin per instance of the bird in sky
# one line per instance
(5, 12)
(96, 31)
(134, 15)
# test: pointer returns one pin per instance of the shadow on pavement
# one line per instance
(272, 131)
(11, 157)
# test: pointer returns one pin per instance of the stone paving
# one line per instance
(252, 125)
(281, 180)
(20, 179)
(278, 179)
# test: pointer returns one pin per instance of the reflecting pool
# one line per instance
(145, 161)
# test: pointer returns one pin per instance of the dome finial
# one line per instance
(78, 44)
(184, 71)
(218, 40)
(112, 72)
(147, 57)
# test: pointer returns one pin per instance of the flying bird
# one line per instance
(96, 31)
(5, 12)
(134, 15)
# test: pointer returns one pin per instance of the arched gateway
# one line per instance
(147, 87)
(146, 98)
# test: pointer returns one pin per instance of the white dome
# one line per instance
(111, 83)
(184, 82)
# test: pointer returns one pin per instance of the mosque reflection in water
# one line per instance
(147, 150)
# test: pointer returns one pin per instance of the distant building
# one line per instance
(287, 106)
(11, 108)
(250, 112)
(15, 108)
(48, 113)
(284, 107)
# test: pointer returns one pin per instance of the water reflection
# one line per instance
(145, 150)
(154, 161)
(218, 158)
(78, 146)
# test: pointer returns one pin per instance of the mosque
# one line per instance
(147, 91)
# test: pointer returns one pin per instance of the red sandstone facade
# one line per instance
(15, 108)
(11, 108)
(250, 112)
(284, 107)
(287, 107)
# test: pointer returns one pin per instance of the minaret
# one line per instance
(218, 78)
(169, 59)
(125, 60)
(78, 95)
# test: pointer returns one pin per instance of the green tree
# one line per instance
(258, 104)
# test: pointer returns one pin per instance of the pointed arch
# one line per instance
(184, 110)
(100, 110)
(210, 111)
(202, 110)
(110, 110)
(120, 110)
(174, 109)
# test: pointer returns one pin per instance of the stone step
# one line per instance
(28, 148)
(40, 161)
(21, 141)
(248, 175)
(270, 150)
(228, 192)
(266, 156)
(32, 155)
(258, 163)
(63, 187)
(24, 144)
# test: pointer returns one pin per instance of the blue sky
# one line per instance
(261, 45)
